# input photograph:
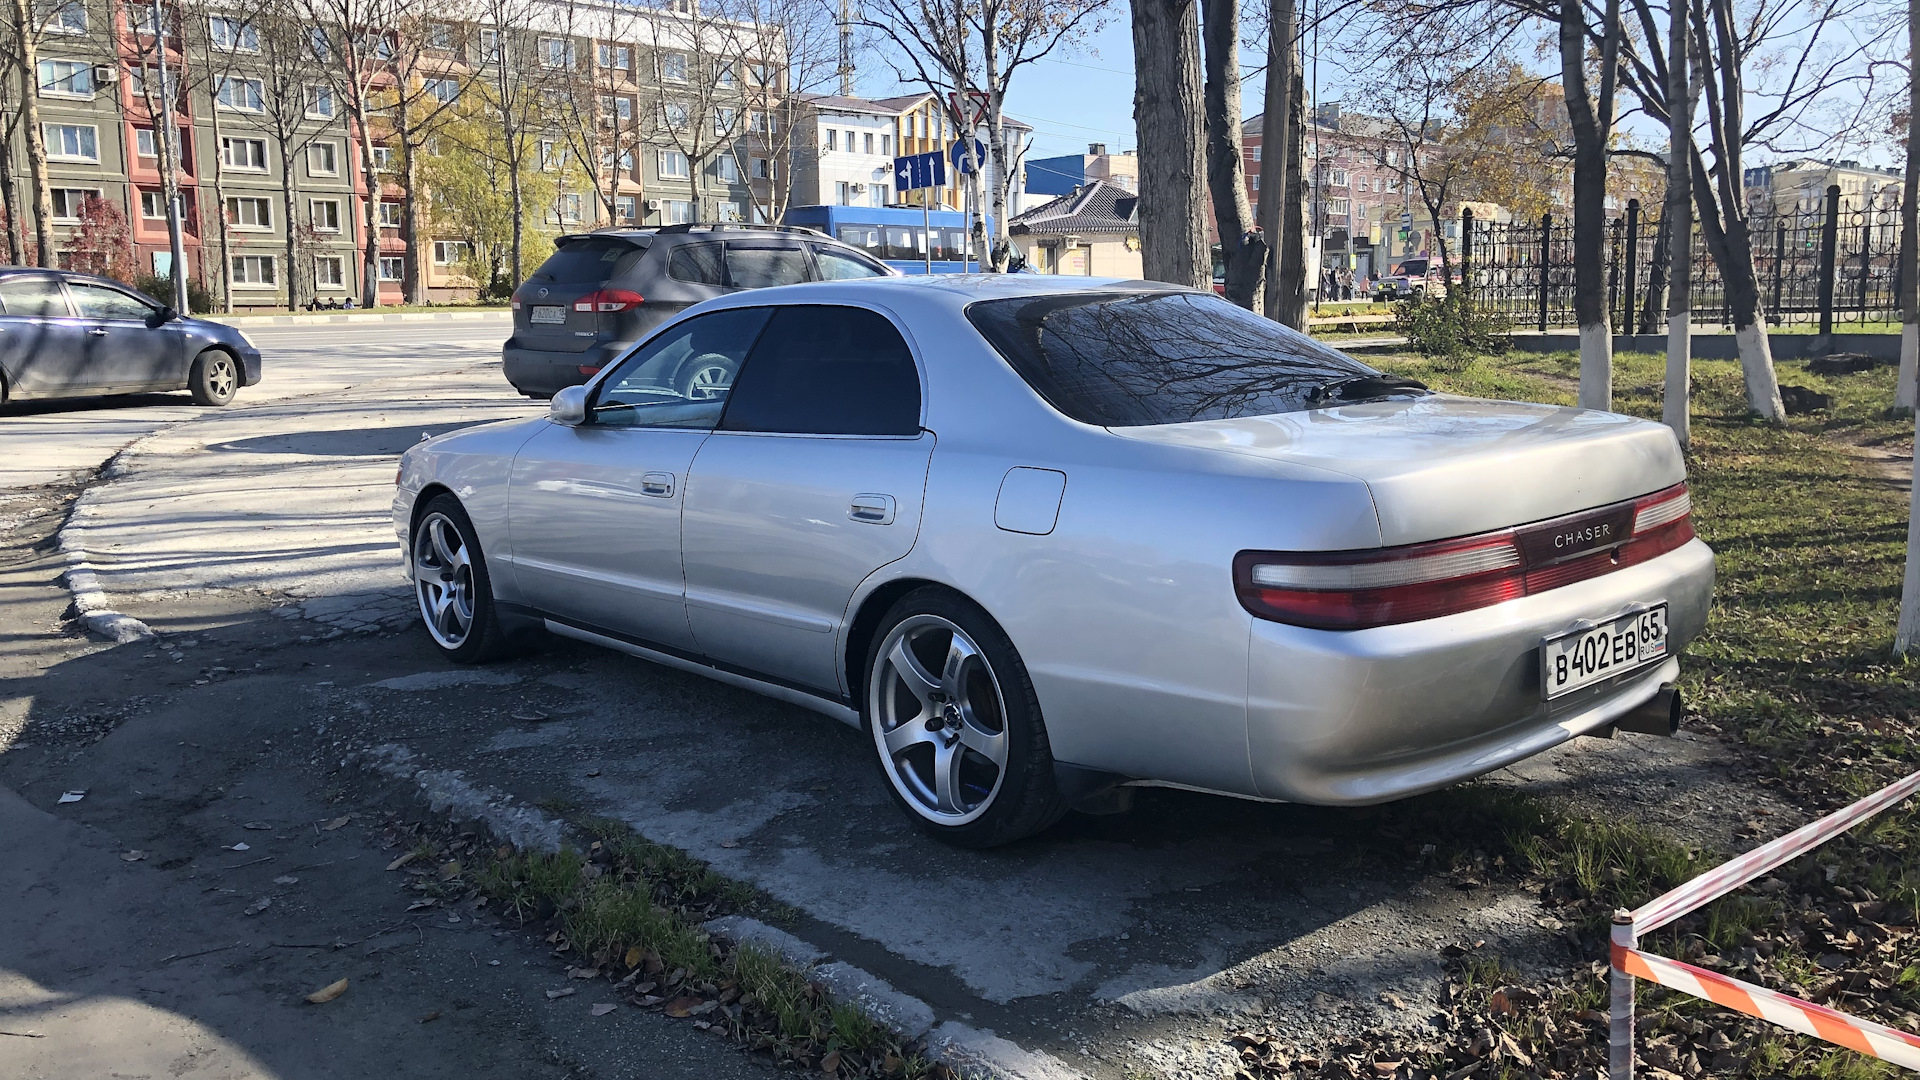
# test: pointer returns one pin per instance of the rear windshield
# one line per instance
(589, 262)
(1122, 359)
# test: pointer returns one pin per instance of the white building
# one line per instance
(843, 152)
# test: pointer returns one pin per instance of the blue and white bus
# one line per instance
(896, 235)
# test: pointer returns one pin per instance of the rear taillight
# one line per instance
(589, 370)
(515, 301)
(1353, 590)
(609, 300)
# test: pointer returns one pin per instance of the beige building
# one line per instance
(1090, 232)
(1800, 185)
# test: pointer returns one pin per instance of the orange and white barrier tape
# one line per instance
(1790, 1012)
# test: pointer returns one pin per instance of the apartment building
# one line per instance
(1799, 185)
(676, 123)
(843, 149)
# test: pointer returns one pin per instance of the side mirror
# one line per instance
(164, 316)
(569, 406)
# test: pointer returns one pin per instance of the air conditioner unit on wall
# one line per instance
(106, 74)
(653, 206)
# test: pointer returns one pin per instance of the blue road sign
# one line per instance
(958, 153)
(919, 171)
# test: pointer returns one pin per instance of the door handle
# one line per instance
(98, 331)
(657, 484)
(872, 509)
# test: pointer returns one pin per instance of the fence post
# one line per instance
(1620, 1017)
(1866, 259)
(1633, 262)
(1613, 266)
(1466, 252)
(1829, 248)
(1546, 262)
(1779, 261)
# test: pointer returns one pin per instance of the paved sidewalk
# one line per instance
(288, 501)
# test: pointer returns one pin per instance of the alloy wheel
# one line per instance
(709, 381)
(220, 377)
(939, 720)
(443, 580)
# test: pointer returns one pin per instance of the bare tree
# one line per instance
(794, 52)
(979, 46)
(27, 30)
(509, 91)
(696, 103)
(1282, 216)
(426, 81)
(354, 40)
(1168, 113)
(1244, 250)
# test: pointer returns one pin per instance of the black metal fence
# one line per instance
(1832, 265)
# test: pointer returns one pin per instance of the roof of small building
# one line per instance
(887, 106)
(1098, 207)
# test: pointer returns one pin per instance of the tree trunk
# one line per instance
(287, 201)
(1676, 220)
(369, 209)
(1589, 202)
(1244, 251)
(1293, 211)
(1904, 385)
(414, 287)
(1168, 117)
(1275, 164)
(36, 137)
(225, 277)
(10, 201)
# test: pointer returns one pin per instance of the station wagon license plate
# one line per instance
(549, 313)
(1615, 647)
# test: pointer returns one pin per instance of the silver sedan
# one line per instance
(1051, 539)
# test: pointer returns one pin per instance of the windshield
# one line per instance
(1132, 359)
(589, 262)
(1412, 268)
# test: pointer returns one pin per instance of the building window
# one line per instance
(876, 194)
(679, 212)
(1393, 183)
(758, 73)
(325, 214)
(843, 193)
(612, 160)
(66, 78)
(763, 168)
(673, 66)
(249, 213)
(553, 155)
(450, 252)
(442, 90)
(72, 142)
(723, 120)
(144, 144)
(440, 36)
(329, 272)
(615, 56)
(392, 267)
(67, 18)
(253, 270)
(866, 143)
(728, 211)
(624, 208)
(323, 159)
(250, 154)
(67, 203)
(383, 158)
(320, 102)
(566, 209)
(232, 34)
(244, 95)
(318, 43)
(673, 165)
(138, 78)
(727, 167)
(1339, 178)
(723, 74)
(757, 122)
(140, 18)
(619, 109)
(1256, 154)
(489, 45)
(153, 205)
(391, 215)
(886, 145)
(556, 52)
(674, 115)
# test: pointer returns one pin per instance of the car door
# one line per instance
(813, 480)
(594, 510)
(127, 346)
(42, 346)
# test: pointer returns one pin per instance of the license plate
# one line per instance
(1615, 647)
(548, 313)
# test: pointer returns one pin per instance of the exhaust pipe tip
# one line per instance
(1658, 715)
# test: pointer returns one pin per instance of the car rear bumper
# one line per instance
(1366, 716)
(540, 372)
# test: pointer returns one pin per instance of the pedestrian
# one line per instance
(1346, 284)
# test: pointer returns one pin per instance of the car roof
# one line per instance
(955, 290)
(645, 236)
(65, 275)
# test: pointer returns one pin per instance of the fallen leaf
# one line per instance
(603, 1008)
(258, 826)
(1499, 1002)
(242, 846)
(403, 860)
(337, 823)
(831, 1063)
(422, 905)
(259, 905)
(633, 957)
(133, 856)
(682, 1006)
(430, 1017)
(582, 972)
(449, 871)
(328, 992)
(568, 992)
(73, 796)
(286, 879)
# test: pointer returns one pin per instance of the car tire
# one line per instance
(214, 377)
(706, 377)
(964, 752)
(451, 586)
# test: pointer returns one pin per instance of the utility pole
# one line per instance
(167, 134)
(845, 70)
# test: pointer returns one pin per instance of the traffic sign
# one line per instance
(958, 153)
(969, 109)
(1406, 217)
(920, 171)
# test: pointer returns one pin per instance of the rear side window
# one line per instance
(865, 237)
(33, 296)
(760, 266)
(822, 370)
(697, 264)
(589, 262)
(1131, 359)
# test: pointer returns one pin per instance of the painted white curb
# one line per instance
(375, 316)
(90, 601)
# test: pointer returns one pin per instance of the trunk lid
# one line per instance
(580, 268)
(1444, 466)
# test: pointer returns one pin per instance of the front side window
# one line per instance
(823, 370)
(760, 265)
(101, 302)
(1129, 359)
(837, 265)
(33, 296)
(681, 378)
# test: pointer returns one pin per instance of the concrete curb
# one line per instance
(375, 316)
(90, 601)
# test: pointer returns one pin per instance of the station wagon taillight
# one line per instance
(1353, 590)
(609, 300)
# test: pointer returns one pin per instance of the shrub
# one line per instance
(1451, 327)
(161, 289)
